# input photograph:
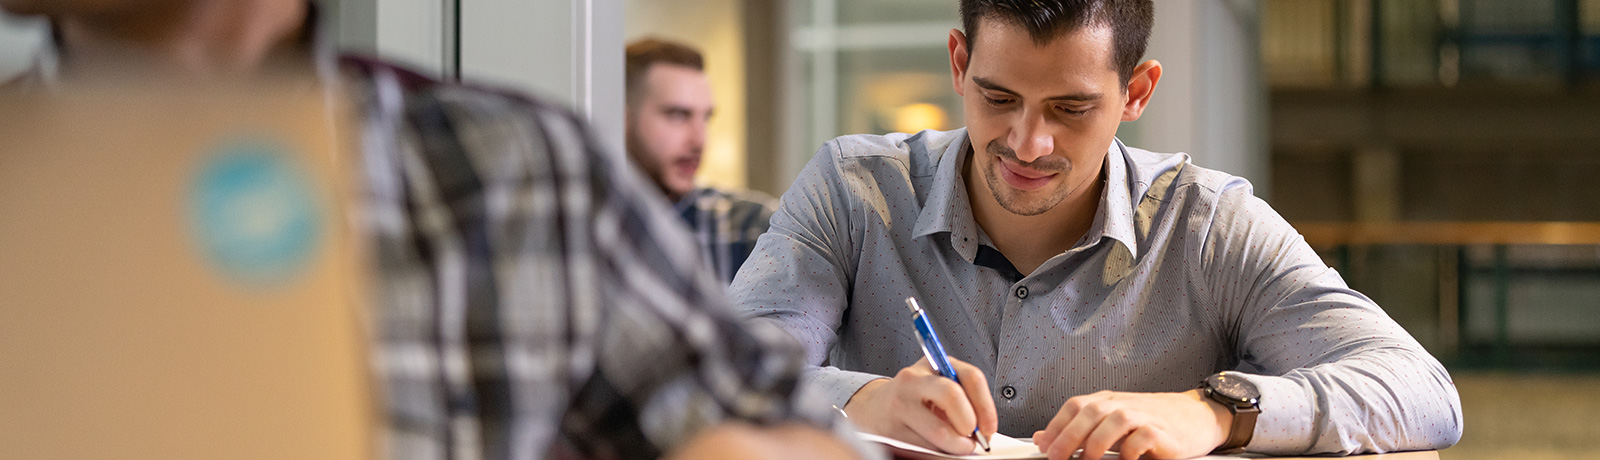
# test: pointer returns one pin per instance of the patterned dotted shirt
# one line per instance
(1183, 273)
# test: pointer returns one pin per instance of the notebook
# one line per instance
(1000, 447)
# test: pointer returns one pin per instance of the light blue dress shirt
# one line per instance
(1183, 273)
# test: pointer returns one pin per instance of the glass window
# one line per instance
(896, 90)
(1513, 40)
(1589, 42)
(1300, 42)
(1408, 42)
(881, 11)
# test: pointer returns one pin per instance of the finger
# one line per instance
(1140, 442)
(976, 386)
(937, 432)
(948, 400)
(919, 369)
(1069, 410)
(1046, 437)
(1077, 429)
(1039, 442)
(1112, 428)
(904, 432)
(919, 415)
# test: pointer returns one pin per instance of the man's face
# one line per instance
(667, 126)
(1040, 118)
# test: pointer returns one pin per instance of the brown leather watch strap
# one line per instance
(1244, 428)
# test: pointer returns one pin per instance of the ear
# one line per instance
(958, 59)
(1141, 85)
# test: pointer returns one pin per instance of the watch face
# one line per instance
(1232, 386)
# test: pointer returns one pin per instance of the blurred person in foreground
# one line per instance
(1097, 296)
(669, 106)
(511, 254)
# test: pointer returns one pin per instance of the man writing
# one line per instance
(669, 105)
(534, 300)
(1086, 288)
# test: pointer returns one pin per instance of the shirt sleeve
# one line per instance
(1336, 374)
(798, 277)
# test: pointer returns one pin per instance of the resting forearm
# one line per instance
(1363, 404)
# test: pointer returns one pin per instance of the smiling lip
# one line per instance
(1023, 178)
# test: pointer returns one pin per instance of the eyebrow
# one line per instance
(1077, 97)
(685, 109)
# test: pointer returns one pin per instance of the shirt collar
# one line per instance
(693, 200)
(948, 209)
(1114, 219)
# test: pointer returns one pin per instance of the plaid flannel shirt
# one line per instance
(535, 296)
(727, 224)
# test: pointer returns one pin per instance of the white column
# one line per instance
(19, 43)
(564, 51)
(1212, 99)
(418, 33)
(567, 51)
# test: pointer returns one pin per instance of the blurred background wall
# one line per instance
(19, 38)
(1461, 117)
(1449, 111)
(569, 51)
(1372, 115)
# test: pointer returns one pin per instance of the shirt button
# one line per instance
(1008, 392)
(1022, 292)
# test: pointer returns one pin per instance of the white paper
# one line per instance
(1000, 447)
(1003, 447)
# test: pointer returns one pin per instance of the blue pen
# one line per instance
(935, 353)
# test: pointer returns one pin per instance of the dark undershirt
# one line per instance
(992, 258)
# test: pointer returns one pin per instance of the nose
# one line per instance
(697, 134)
(1030, 138)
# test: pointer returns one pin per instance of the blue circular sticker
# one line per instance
(255, 212)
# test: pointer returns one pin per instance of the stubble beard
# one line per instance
(1017, 201)
(652, 166)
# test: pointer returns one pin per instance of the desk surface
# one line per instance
(903, 450)
(1420, 455)
(1448, 233)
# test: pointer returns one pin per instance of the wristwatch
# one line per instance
(1241, 397)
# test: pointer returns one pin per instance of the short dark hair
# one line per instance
(643, 53)
(1129, 20)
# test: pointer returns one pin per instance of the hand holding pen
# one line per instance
(933, 352)
(923, 406)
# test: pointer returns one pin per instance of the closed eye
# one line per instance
(1072, 112)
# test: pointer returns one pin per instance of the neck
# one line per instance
(196, 40)
(1029, 241)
